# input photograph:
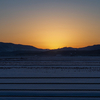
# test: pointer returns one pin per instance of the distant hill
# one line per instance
(88, 48)
(10, 47)
(94, 47)
(66, 48)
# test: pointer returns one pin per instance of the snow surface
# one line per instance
(83, 75)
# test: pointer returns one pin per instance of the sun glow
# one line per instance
(50, 24)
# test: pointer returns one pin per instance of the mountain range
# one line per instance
(18, 49)
(88, 48)
(10, 47)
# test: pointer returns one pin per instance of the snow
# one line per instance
(18, 79)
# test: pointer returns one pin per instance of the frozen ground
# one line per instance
(50, 78)
(50, 61)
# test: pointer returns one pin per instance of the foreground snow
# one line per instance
(78, 81)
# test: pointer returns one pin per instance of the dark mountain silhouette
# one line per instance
(67, 48)
(94, 47)
(10, 49)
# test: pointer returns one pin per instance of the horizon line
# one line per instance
(48, 48)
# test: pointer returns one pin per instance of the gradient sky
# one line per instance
(50, 23)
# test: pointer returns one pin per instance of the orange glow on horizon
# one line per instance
(50, 24)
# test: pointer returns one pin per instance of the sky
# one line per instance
(50, 24)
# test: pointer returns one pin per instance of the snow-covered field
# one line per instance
(50, 78)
